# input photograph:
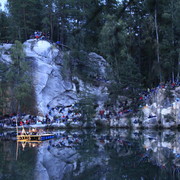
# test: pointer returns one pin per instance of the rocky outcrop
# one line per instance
(51, 87)
(163, 112)
(5, 53)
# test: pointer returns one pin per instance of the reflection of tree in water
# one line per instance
(127, 158)
(22, 169)
(165, 150)
(6, 156)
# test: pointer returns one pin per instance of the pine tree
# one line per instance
(3, 88)
(4, 21)
(20, 81)
(114, 46)
(25, 18)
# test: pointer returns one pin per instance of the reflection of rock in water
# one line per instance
(63, 163)
(110, 154)
(53, 164)
(165, 149)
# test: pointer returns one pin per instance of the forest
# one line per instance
(138, 38)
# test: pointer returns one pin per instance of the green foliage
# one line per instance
(3, 86)
(77, 63)
(113, 39)
(114, 46)
(169, 93)
(25, 18)
(87, 105)
(129, 74)
(19, 80)
(124, 32)
(67, 66)
(4, 21)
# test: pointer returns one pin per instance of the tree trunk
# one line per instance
(19, 33)
(52, 27)
(62, 30)
(25, 26)
(178, 75)
(173, 77)
(157, 42)
(173, 40)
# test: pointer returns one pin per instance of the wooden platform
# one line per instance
(41, 137)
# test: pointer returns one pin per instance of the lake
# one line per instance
(111, 154)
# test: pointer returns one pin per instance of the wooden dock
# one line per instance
(36, 137)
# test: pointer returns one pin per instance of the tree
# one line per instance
(49, 20)
(114, 46)
(20, 81)
(3, 88)
(4, 21)
(25, 18)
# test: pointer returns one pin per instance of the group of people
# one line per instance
(58, 114)
(71, 113)
(125, 107)
(146, 96)
(63, 114)
(40, 35)
(116, 112)
(19, 119)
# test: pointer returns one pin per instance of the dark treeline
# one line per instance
(139, 38)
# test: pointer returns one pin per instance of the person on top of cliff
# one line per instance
(101, 113)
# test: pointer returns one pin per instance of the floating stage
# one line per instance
(36, 137)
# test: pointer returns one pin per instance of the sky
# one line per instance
(2, 4)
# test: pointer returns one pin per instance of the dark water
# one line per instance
(93, 155)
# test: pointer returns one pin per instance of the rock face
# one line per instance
(4, 53)
(50, 87)
(164, 111)
(53, 89)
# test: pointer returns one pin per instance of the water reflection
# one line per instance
(12, 168)
(23, 145)
(91, 154)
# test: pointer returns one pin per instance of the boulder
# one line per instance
(147, 111)
(76, 124)
(119, 122)
(150, 122)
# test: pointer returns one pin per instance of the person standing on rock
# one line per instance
(101, 113)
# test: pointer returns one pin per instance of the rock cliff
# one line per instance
(162, 108)
(55, 85)
(51, 87)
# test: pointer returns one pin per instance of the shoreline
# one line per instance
(55, 127)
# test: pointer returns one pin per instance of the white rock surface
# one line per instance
(50, 88)
(4, 53)
(163, 111)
